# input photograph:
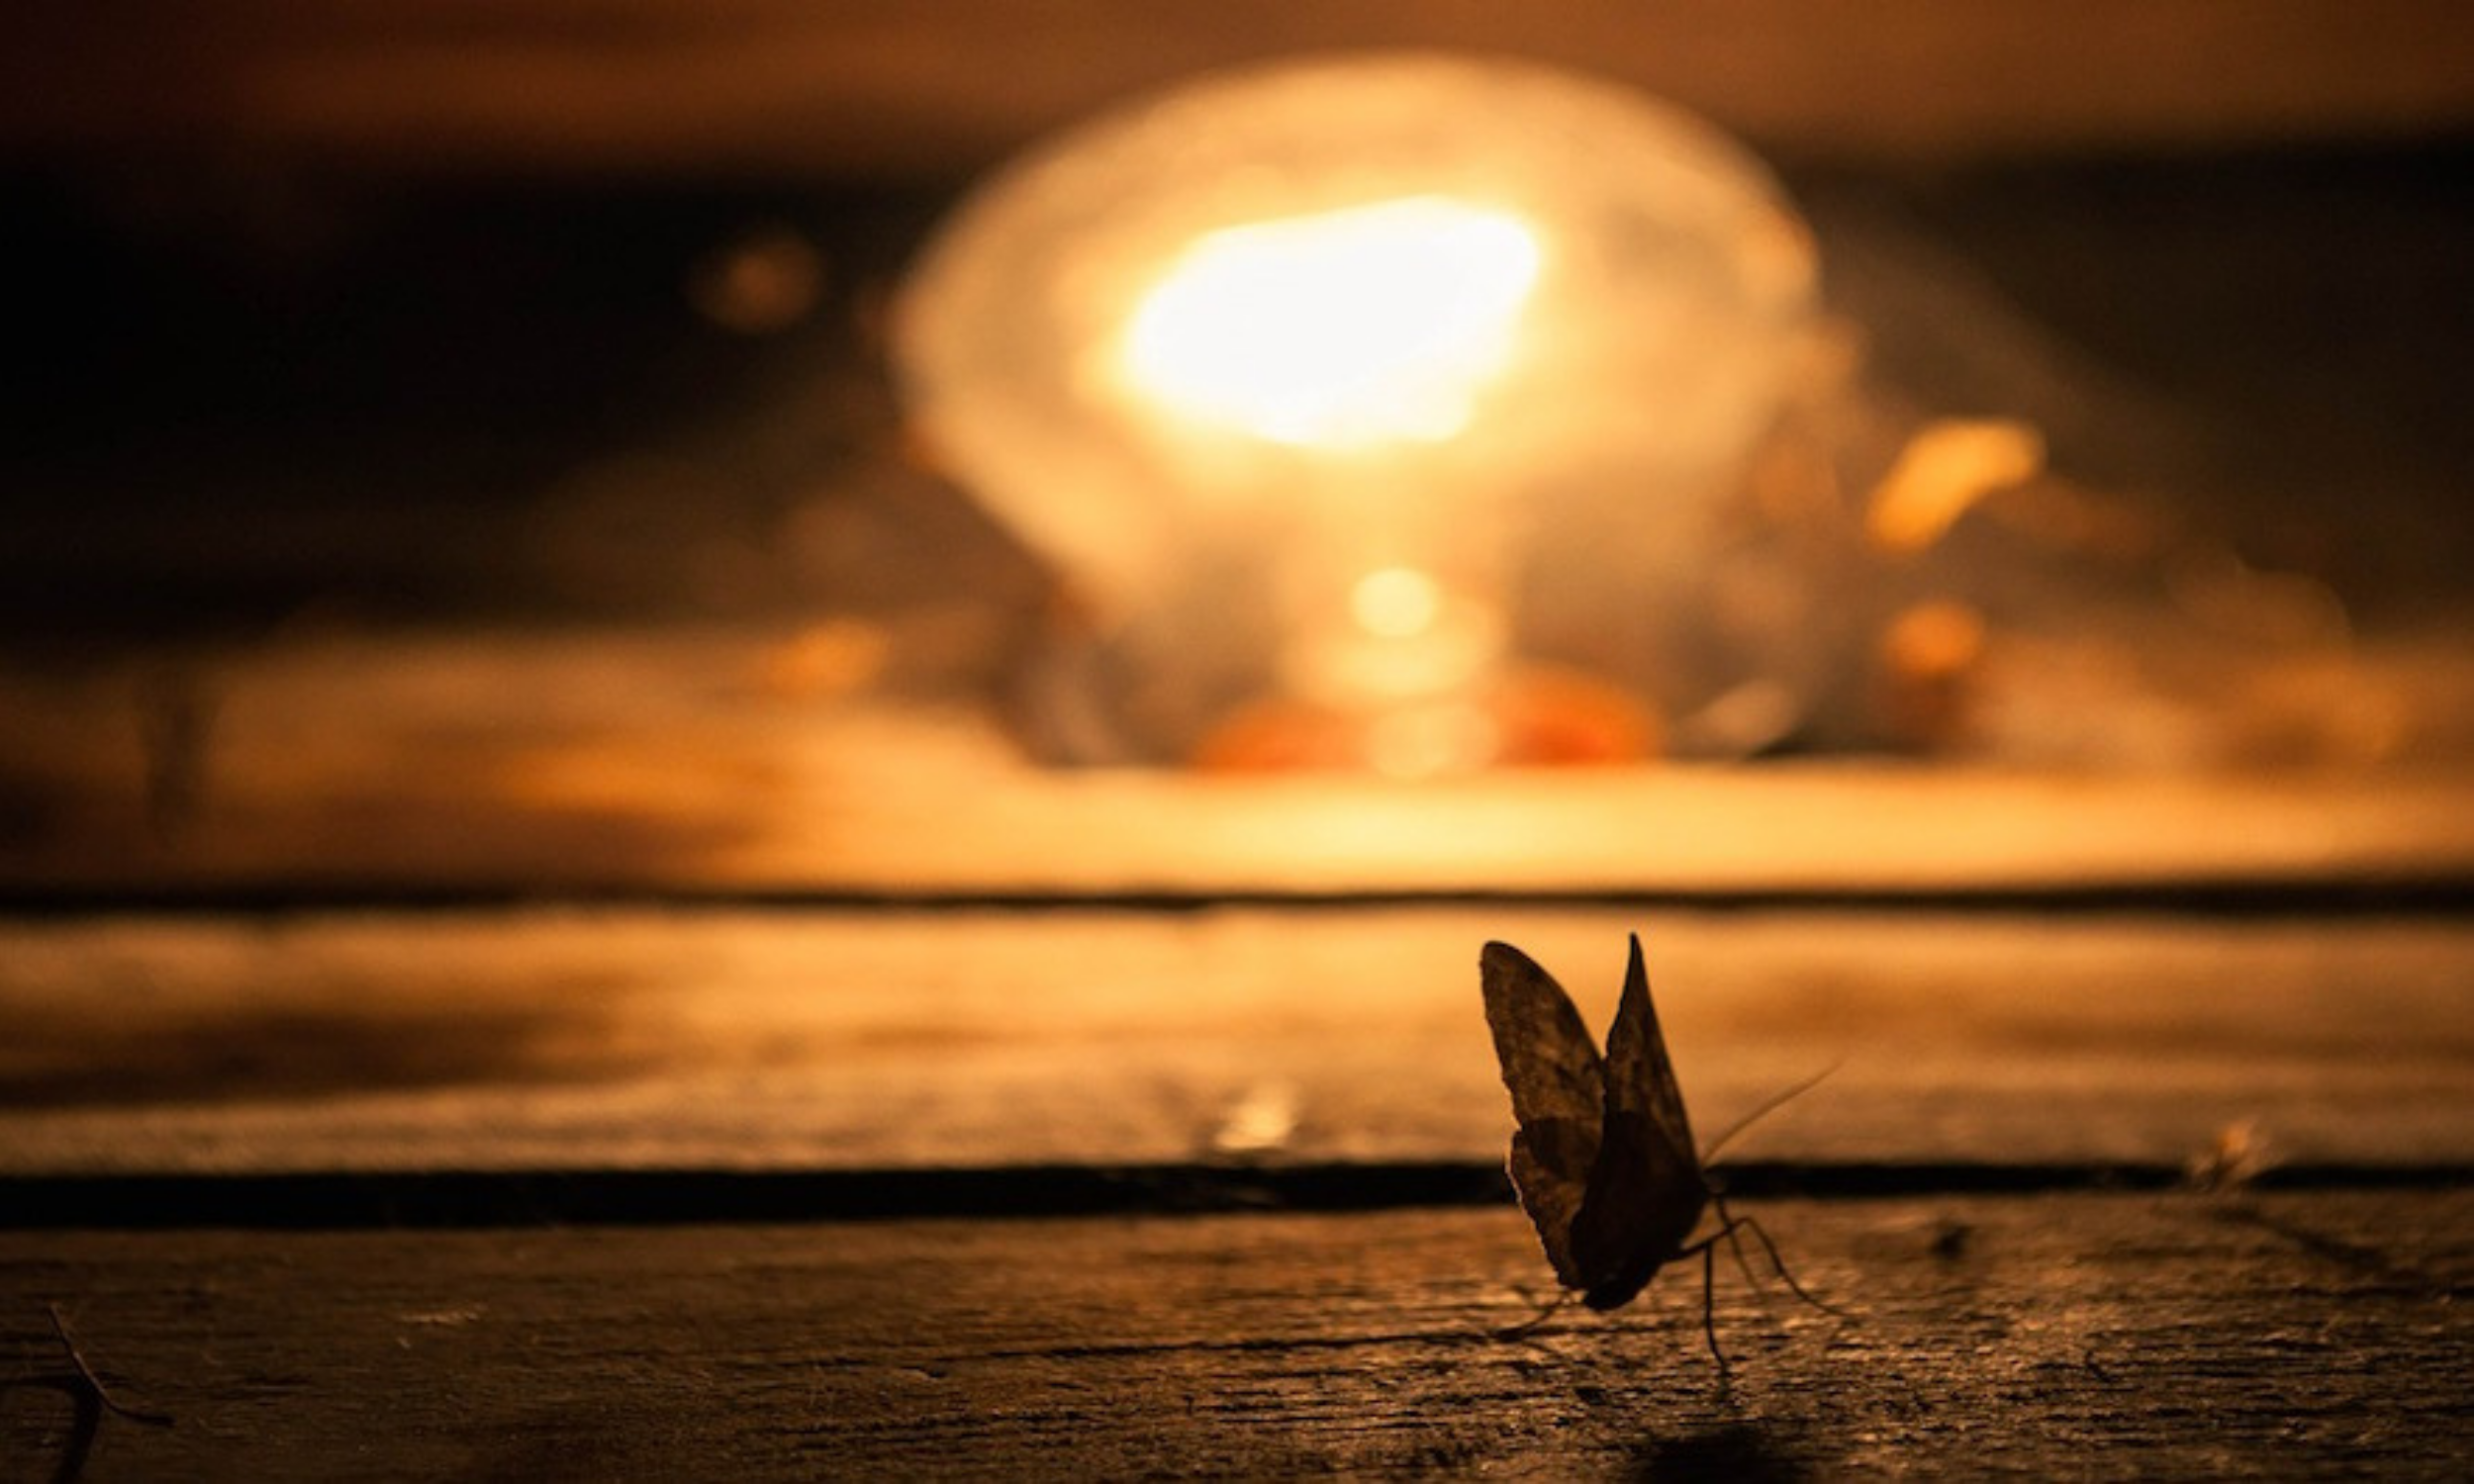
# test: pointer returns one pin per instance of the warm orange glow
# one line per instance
(1431, 741)
(1945, 470)
(1395, 603)
(1370, 324)
(1397, 635)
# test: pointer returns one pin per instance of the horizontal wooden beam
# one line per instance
(933, 87)
(887, 1039)
(2164, 1336)
(675, 760)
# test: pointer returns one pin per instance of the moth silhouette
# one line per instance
(1603, 1160)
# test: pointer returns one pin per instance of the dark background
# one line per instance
(246, 392)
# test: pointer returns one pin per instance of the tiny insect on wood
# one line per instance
(1603, 1160)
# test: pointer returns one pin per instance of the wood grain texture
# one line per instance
(775, 86)
(863, 1039)
(2103, 1336)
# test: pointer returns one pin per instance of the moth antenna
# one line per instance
(1771, 1105)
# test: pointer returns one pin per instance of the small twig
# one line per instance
(94, 1383)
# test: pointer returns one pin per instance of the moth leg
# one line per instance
(1735, 1246)
(1709, 1303)
(1778, 1264)
(1743, 1265)
(1529, 1326)
(1728, 1222)
(1707, 1251)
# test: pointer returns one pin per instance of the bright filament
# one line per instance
(1370, 324)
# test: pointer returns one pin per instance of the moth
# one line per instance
(1603, 1160)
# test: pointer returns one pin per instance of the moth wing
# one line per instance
(1557, 1082)
(1639, 1075)
(1646, 1189)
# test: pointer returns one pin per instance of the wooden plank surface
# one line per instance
(678, 758)
(662, 85)
(861, 1039)
(2095, 1336)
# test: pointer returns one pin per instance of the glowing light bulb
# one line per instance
(1342, 382)
(1351, 327)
